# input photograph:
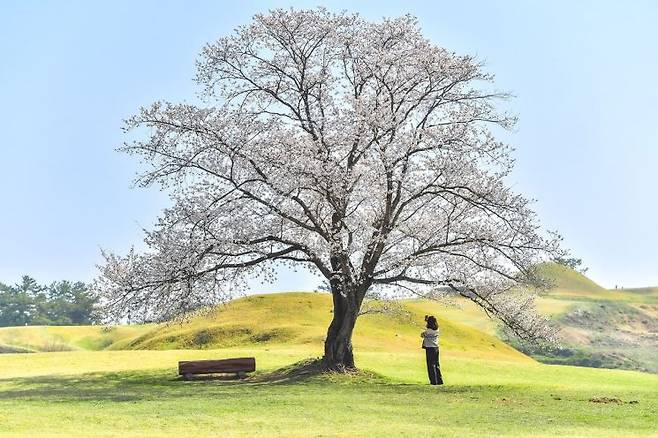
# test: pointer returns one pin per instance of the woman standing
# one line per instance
(431, 346)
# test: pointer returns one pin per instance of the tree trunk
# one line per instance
(338, 355)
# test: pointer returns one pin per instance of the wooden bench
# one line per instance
(239, 365)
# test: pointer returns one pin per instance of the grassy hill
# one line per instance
(272, 320)
(572, 285)
(599, 327)
(121, 381)
(568, 281)
(615, 328)
(65, 338)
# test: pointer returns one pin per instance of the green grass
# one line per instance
(122, 382)
(136, 393)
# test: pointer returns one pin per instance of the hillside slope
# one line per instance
(572, 285)
(64, 338)
(599, 327)
(263, 321)
(568, 281)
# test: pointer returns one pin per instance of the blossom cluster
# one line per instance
(359, 149)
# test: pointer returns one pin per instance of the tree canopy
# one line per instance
(360, 150)
(59, 303)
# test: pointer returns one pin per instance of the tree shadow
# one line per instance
(162, 384)
(125, 386)
(297, 372)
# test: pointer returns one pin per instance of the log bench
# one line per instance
(239, 365)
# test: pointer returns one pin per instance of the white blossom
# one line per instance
(359, 149)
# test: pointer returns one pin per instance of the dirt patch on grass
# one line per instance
(606, 400)
(612, 400)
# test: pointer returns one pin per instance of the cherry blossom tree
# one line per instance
(359, 150)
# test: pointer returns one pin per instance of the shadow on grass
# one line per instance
(314, 371)
(295, 373)
(163, 384)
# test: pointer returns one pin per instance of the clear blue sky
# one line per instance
(584, 74)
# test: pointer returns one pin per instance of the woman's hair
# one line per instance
(432, 323)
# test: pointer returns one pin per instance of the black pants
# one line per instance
(433, 369)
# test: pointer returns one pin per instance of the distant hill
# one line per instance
(570, 284)
(641, 290)
(610, 328)
(30, 339)
(565, 279)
